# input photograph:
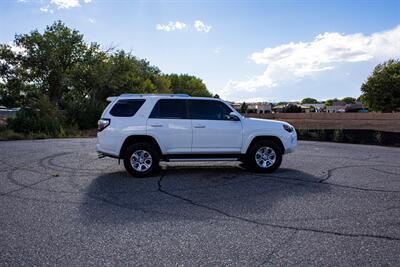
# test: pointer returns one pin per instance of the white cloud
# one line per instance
(46, 9)
(65, 3)
(217, 50)
(178, 25)
(92, 21)
(294, 61)
(46, 5)
(171, 26)
(201, 27)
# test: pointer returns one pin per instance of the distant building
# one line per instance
(278, 108)
(315, 107)
(337, 106)
(259, 107)
(236, 106)
(262, 108)
(356, 107)
(284, 108)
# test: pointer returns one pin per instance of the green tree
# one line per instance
(381, 91)
(77, 77)
(309, 100)
(187, 84)
(349, 100)
(329, 102)
(45, 61)
(291, 108)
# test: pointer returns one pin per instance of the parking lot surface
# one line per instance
(328, 204)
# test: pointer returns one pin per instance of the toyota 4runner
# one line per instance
(143, 130)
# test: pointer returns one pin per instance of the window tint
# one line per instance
(170, 109)
(209, 110)
(126, 107)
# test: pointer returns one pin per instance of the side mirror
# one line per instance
(233, 116)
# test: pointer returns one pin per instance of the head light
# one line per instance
(288, 128)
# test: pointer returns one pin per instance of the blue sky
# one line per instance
(243, 50)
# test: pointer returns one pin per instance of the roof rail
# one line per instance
(171, 95)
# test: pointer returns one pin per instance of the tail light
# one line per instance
(102, 124)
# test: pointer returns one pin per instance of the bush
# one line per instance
(360, 136)
(83, 115)
(44, 118)
(291, 108)
(338, 135)
(8, 134)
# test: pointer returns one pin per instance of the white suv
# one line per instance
(145, 129)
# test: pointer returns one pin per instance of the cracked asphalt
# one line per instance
(328, 204)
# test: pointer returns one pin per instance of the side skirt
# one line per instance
(202, 157)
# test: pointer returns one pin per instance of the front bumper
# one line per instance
(292, 144)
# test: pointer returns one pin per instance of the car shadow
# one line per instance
(190, 193)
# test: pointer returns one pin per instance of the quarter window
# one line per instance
(209, 110)
(126, 107)
(170, 109)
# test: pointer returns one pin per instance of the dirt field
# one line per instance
(368, 121)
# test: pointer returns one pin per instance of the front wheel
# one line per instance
(141, 160)
(264, 156)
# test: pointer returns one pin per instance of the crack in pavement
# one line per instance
(24, 186)
(323, 182)
(243, 219)
(330, 171)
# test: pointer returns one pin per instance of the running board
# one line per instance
(201, 159)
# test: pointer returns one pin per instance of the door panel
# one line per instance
(170, 125)
(174, 135)
(213, 131)
(216, 136)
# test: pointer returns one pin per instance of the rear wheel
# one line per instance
(264, 156)
(141, 159)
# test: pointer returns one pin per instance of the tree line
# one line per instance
(59, 73)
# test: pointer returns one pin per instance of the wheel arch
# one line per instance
(275, 139)
(139, 138)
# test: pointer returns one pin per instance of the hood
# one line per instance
(264, 122)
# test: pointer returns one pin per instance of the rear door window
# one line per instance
(126, 107)
(170, 109)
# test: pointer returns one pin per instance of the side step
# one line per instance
(202, 157)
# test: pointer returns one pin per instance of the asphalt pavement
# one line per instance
(328, 204)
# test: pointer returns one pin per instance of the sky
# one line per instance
(243, 50)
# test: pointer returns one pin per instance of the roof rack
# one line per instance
(171, 95)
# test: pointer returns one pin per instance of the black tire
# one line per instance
(251, 156)
(150, 149)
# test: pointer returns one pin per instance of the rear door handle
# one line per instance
(199, 126)
(156, 125)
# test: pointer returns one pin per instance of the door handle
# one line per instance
(156, 125)
(199, 126)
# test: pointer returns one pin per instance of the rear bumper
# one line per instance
(105, 152)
